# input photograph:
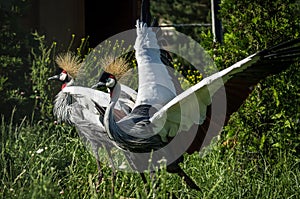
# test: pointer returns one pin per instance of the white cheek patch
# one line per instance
(110, 83)
(62, 76)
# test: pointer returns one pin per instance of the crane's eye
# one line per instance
(110, 82)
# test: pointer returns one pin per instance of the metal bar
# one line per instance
(186, 25)
(216, 22)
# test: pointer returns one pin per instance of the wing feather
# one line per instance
(190, 107)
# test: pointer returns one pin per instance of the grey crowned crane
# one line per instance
(159, 115)
(75, 106)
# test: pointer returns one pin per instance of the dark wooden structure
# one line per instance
(105, 20)
(59, 19)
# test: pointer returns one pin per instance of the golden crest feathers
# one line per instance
(69, 62)
(115, 66)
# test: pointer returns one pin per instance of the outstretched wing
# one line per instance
(191, 106)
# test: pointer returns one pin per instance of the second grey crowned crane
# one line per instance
(157, 114)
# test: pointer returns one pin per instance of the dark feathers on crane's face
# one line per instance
(108, 79)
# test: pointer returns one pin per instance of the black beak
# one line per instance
(98, 85)
(55, 77)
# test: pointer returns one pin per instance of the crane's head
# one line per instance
(106, 80)
(63, 77)
(113, 70)
(70, 64)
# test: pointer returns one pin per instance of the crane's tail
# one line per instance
(268, 62)
(286, 53)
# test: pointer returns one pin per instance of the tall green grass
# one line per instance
(49, 161)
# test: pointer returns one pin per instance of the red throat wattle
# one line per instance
(63, 86)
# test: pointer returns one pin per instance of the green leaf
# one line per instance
(275, 94)
(262, 142)
(277, 145)
(287, 124)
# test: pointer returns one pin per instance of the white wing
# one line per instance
(153, 76)
(190, 107)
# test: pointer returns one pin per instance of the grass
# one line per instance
(42, 160)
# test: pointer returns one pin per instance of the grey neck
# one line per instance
(108, 116)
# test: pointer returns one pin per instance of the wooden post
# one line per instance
(216, 22)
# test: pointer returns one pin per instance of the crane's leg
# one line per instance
(113, 174)
(188, 180)
(175, 168)
(182, 174)
(152, 177)
(100, 173)
(143, 178)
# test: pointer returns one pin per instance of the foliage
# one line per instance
(253, 25)
(183, 12)
(256, 157)
(268, 119)
(51, 161)
(40, 71)
(14, 62)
